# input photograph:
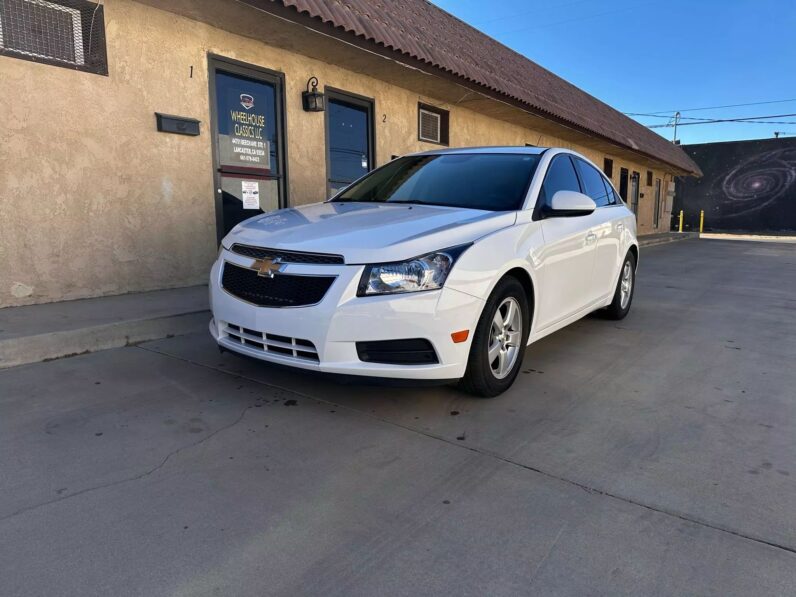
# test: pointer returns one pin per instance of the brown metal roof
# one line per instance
(421, 31)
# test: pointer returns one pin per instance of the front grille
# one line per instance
(272, 343)
(288, 256)
(412, 351)
(283, 290)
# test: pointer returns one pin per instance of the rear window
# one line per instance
(494, 182)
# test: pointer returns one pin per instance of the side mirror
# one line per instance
(570, 203)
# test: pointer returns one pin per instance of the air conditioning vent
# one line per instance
(430, 126)
(69, 33)
(42, 29)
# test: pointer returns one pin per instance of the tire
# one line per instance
(620, 305)
(486, 378)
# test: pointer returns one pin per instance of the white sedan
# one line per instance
(441, 265)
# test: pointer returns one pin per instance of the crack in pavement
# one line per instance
(587, 488)
(137, 477)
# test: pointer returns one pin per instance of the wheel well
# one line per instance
(634, 250)
(524, 278)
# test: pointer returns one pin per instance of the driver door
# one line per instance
(567, 259)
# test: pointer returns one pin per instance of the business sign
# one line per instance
(243, 126)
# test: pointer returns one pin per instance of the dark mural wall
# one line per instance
(748, 186)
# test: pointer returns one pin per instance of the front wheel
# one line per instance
(623, 295)
(499, 341)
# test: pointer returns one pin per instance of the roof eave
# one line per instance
(368, 43)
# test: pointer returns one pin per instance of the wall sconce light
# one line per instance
(312, 101)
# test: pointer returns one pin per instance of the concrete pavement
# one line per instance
(652, 456)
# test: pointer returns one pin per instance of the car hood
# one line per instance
(368, 232)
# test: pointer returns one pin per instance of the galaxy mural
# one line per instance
(748, 186)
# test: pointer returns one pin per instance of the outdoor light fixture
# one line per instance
(312, 100)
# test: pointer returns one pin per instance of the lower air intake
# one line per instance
(413, 351)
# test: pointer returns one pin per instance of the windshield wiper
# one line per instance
(421, 202)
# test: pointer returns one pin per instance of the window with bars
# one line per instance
(68, 33)
(432, 124)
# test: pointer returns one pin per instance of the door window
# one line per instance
(248, 141)
(634, 193)
(593, 183)
(560, 177)
(348, 141)
(657, 202)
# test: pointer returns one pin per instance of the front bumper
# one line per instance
(339, 320)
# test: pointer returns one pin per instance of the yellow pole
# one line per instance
(701, 220)
(681, 220)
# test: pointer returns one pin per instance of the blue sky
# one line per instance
(650, 56)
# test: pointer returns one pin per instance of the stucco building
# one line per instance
(104, 191)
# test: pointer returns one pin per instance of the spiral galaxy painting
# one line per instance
(748, 186)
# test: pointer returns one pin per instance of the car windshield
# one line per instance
(488, 181)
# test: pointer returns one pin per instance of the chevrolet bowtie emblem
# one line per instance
(267, 267)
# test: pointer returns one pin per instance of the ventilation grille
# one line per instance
(283, 290)
(67, 33)
(272, 343)
(430, 126)
(288, 256)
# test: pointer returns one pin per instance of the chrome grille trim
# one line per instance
(287, 256)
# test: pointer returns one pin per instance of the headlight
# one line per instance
(427, 272)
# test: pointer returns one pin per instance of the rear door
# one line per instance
(606, 225)
(568, 255)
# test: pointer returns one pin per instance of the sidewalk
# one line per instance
(41, 332)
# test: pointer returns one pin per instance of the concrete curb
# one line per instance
(55, 345)
(760, 238)
(662, 240)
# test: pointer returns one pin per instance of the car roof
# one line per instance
(518, 149)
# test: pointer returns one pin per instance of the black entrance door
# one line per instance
(349, 139)
(248, 142)
(623, 176)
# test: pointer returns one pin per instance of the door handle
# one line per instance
(620, 226)
(591, 238)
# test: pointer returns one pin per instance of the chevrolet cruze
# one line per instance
(441, 265)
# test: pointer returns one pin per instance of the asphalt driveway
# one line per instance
(652, 456)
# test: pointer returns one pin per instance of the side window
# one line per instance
(593, 183)
(560, 177)
(613, 198)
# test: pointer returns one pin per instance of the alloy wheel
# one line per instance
(505, 337)
(626, 285)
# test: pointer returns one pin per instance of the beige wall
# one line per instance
(94, 201)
